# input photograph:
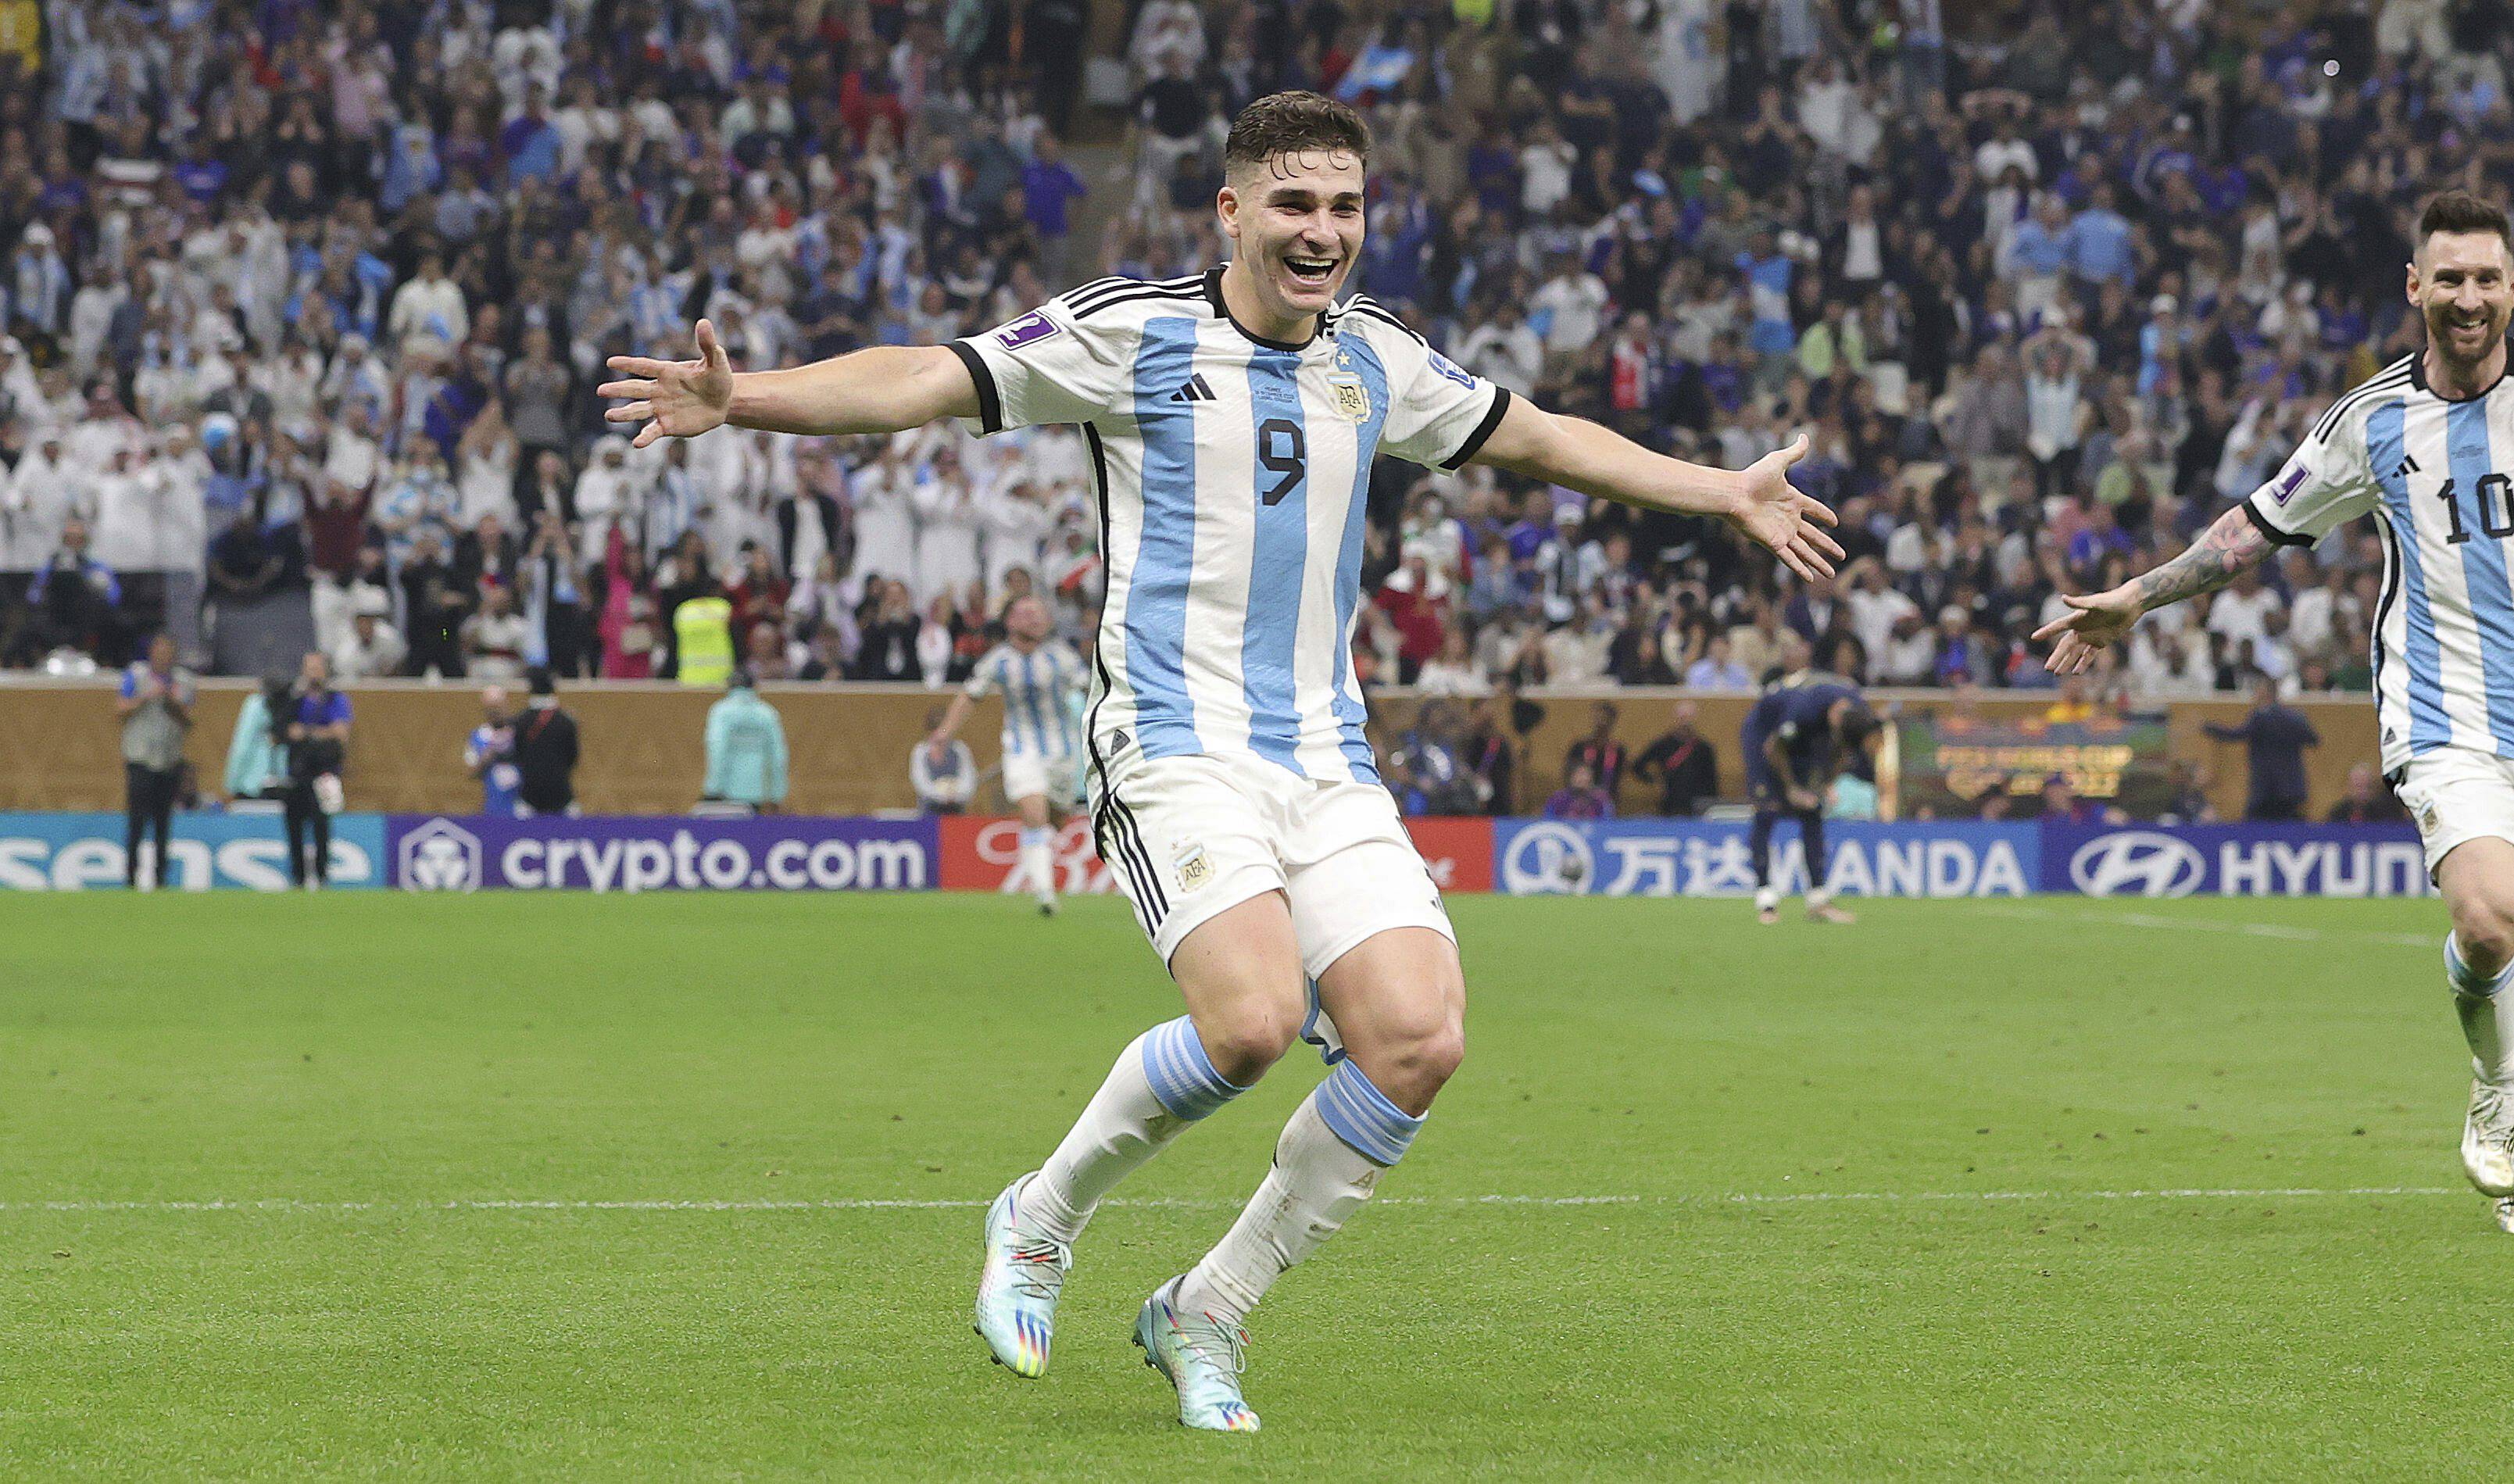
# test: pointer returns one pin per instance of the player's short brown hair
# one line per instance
(2458, 210)
(1292, 121)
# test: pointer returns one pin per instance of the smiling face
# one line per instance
(1296, 217)
(2463, 284)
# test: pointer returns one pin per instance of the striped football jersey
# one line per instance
(1037, 722)
(1233, 472)
(2439, 476)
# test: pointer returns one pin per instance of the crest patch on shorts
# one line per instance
(1194, 870)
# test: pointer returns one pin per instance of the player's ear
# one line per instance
(1225, 206)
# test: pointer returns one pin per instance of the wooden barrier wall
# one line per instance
(644, 754)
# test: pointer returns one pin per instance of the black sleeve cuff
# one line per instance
(990, 407)
(2276, 536)
(1483, 430)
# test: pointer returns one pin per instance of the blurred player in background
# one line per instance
(2427, 444)
(1038, 675)
(1800, 735)
(489, 752)
(1232, 418)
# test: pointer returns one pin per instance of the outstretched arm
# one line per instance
(953, 715)
(1580, 454)
(883, 390)
(2223, 553)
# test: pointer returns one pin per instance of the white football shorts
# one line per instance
(2457, 794)
(1058, 776)
(1188, 837)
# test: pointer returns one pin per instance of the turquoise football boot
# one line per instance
(1018, 1291)
(1202, 1356)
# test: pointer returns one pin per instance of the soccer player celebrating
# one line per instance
(1043, 748)
(2426, 444)
(1232, 417)
(1798, 738)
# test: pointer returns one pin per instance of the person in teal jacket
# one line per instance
(256, 760)
(746, 747)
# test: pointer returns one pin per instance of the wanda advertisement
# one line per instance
(979, 855)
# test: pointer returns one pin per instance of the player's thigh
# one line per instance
(1239, 972)
(2477, 879)
(2458, 795)
(1353, 872)
(2463, 802)
(1025, 779)
(1185, 840)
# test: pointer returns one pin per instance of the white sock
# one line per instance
(1036, 862)
(1342, 1138)
(1766, 899)
(1161, 1085)
(2487, 1015)
(1816, 897)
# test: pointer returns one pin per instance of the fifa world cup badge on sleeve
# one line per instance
(1193, 869)
(1033, 326)
(1352, 399)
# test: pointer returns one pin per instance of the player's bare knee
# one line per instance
(1436, 1057)
(1243, 1040)
(1414, 1060)
(2482, 927)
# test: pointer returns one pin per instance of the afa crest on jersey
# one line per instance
(1352, 398)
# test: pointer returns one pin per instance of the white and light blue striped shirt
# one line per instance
(2440, 476)
(1038, 689)
(1232, 475)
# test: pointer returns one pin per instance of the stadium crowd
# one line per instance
(306, 302)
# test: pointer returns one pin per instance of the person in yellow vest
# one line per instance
(702, 637)
(21, 39)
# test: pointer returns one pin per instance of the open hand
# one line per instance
(2093, 622)
(679, 399)
(1771, 512)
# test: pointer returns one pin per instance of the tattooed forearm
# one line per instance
(2221, 552)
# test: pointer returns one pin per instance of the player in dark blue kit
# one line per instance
(1798, 738)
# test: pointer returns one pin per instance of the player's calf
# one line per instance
(1342, 1138)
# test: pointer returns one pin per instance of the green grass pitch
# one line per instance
(2029, 1190)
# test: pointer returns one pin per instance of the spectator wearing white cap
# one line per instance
(607, 493)
(370, 646)
(22, 396)
(177, 479)
(355, 377)
(429, 303)
(39, 281)
(36, 499)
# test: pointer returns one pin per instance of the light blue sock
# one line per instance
(1181, 1074)
(1039, 858)
(1342, 1138)
(2486, 1013)
(1358, 1112)
(1162, 1084)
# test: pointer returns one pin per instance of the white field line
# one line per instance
(1740, 1198)
(2202, 925)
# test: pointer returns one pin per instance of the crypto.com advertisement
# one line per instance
(625, 854)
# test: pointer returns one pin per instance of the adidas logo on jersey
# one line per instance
(1194, 390)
